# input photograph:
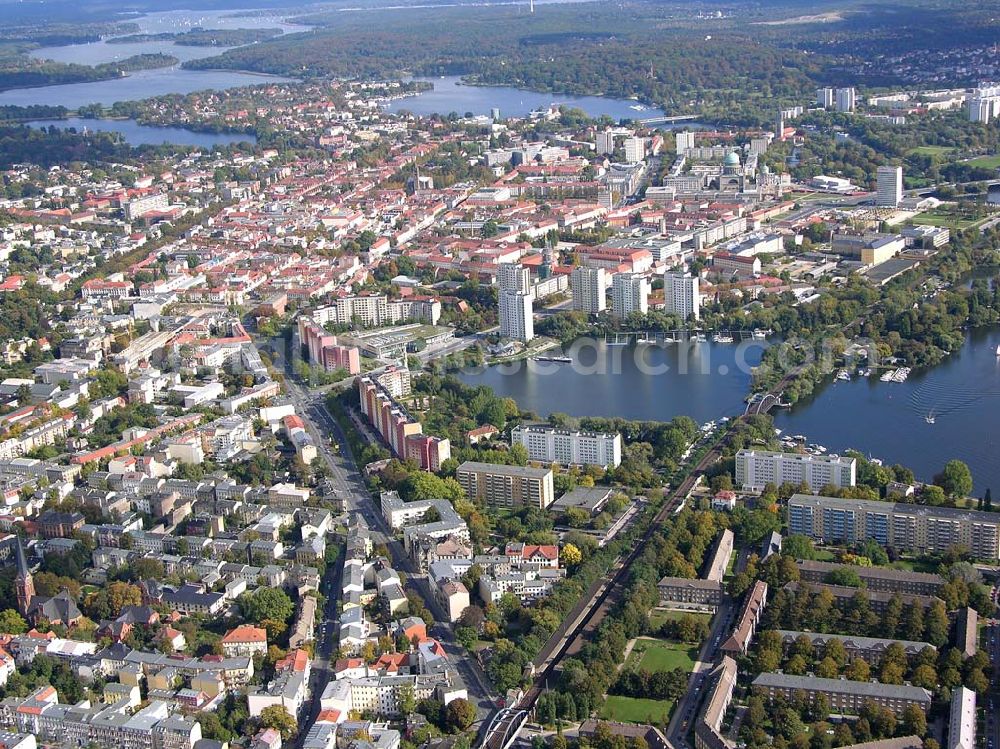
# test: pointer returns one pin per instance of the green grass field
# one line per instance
(660, 655)
(636, 710)
(987, 162)
(946, 218)
(931, 150)
(658, 617)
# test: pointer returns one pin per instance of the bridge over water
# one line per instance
(667, 119)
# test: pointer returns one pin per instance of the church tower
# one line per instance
(24, 586)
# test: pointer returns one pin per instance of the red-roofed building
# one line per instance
(542, 555)
(244, 640)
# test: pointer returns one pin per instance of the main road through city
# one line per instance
(350, 489)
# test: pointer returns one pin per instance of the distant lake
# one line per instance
(139, 85)
(146, 83)
(451, 95)
(178, 21)
(141, 135)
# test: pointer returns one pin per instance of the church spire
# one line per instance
(24, 586)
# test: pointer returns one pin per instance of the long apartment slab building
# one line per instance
(875, 578)
(506, 486)
(902, 526)
(846, 697)
(550, 445)
(401, 432)
(757, 468)
(375, 310)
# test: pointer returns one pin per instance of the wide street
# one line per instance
(349, 487)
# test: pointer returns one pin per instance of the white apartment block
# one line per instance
(889, 182)
(515, 316)
(902, 526)
(629, 293)
(846, 99)
(513, 277)
(589, 286)
(551, 445)
(635, 150)
(685, 141)
(681, 296)
(825, 97)
(373, 310)
(755, 469)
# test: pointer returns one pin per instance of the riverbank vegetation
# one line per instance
(25, 72)
(202, 37)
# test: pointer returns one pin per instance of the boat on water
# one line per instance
(638, 107)
(930, 418)
(722, 338)
(844, 375)
(699, 338)
(554, 359)
(998, 350)
(759, 334)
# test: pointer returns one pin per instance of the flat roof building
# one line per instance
(550, 445)
(506, 486)
(757, 468)
(902, 526)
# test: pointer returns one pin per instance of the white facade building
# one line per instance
(551, 445)
(962, 719)
(680, 295)
(889, 186)
(635, 150)
(846, 99)
(755, 469)
(629, 293)
(825, 97)
(515, 316)
(514, 277)
(589, 286)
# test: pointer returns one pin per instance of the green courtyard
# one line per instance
(636, 710)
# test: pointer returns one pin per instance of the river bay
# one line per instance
(451, 95)
(700, 380)
(141, 135)
(706, 381)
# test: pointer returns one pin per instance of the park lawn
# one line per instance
(661, 655)
(636, 710)
(987, 162)
(931, 150)
(946, 219)
(659, 617)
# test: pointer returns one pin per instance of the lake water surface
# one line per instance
(141, 135)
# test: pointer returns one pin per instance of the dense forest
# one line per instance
(735, 68)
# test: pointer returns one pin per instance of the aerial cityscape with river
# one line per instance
(544, 374)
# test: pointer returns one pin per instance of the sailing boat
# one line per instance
(929, 418)
(998, 350)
